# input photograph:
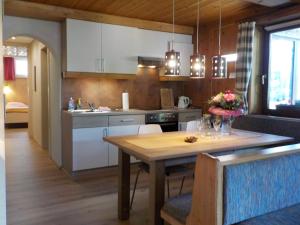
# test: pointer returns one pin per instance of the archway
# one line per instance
(28, 63)
(48, 33)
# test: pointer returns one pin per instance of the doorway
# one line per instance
(27, 71)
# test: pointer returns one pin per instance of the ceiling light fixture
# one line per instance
(172, 59)
(219, 64)
(197, 60)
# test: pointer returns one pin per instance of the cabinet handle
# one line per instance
(190, 117)
(127, 120)
(105, 132)
(102, 64)
(263, 78)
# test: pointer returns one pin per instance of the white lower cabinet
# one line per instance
(185, 117)
(182, 126)
(122, 125)
(119, 131)
(89, 149)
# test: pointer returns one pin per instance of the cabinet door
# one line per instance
(186, 50)
(182, 126)
(153, 43)
(89, 149)
(83, 40)
(119, 131)
(119, 52)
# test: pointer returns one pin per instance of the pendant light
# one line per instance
(219, 64)
(197, 60)
(172, 63)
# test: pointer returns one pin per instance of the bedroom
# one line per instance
(26, 87)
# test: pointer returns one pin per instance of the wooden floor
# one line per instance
(38, 193)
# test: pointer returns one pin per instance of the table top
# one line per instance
(171, 145)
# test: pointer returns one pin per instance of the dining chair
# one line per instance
(179, 170)
(149, 129)
(192, 125)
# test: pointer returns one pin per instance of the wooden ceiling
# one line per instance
(161, 10)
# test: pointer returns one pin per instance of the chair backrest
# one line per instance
(232, 188)
(192, 125)
(149, 129)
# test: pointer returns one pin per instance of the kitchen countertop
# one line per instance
(129, 112)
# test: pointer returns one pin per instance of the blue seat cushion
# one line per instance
(179, 207)
(286, 216)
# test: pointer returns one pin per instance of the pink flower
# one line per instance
(229, 97)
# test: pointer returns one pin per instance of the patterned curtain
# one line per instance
(244, 60)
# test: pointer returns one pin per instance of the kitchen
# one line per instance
(120, 67)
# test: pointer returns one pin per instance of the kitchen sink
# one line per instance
(90, 111)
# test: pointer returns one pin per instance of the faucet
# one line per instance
(92, 106)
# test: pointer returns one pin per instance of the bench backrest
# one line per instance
(269, 124)
(233, 188)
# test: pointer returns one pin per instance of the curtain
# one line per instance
(9, 68)
(244, 60)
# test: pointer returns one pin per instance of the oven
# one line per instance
(168, 121)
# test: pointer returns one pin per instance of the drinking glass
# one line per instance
(206, 125)
(217, 122)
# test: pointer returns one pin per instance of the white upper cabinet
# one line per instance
(105, 48)
(152, 43)
(83, 46)
(186, 50)
(119, 49)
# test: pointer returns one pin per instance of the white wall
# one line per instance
(2, 152)
(36, 91)
(49, 33)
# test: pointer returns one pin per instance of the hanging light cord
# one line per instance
(198, 28)
(220, 25)
(173, 24)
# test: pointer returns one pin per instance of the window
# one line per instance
(21, 60)
(283, 70)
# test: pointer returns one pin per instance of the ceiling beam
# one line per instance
(56, 13)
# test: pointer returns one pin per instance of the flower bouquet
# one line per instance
(228, 105)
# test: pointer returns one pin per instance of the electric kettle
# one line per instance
(183, 102)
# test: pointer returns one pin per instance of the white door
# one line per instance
(186, 50)
(89, 149)
(83, 46)
(119, 51)
(119, 131)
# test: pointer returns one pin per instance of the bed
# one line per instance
(16, 114)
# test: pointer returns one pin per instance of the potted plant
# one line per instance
(228, 105)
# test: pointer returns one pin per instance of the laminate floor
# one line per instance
(39, 193)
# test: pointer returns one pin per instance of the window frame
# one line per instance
(289, 110)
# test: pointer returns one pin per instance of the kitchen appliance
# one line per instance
(183, 102)
(168, 121)
(150, 62)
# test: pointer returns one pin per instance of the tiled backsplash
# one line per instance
(144, 91)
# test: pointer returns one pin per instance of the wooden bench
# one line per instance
(269, 124)
(261, 187)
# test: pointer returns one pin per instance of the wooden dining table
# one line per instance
(167, 149)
